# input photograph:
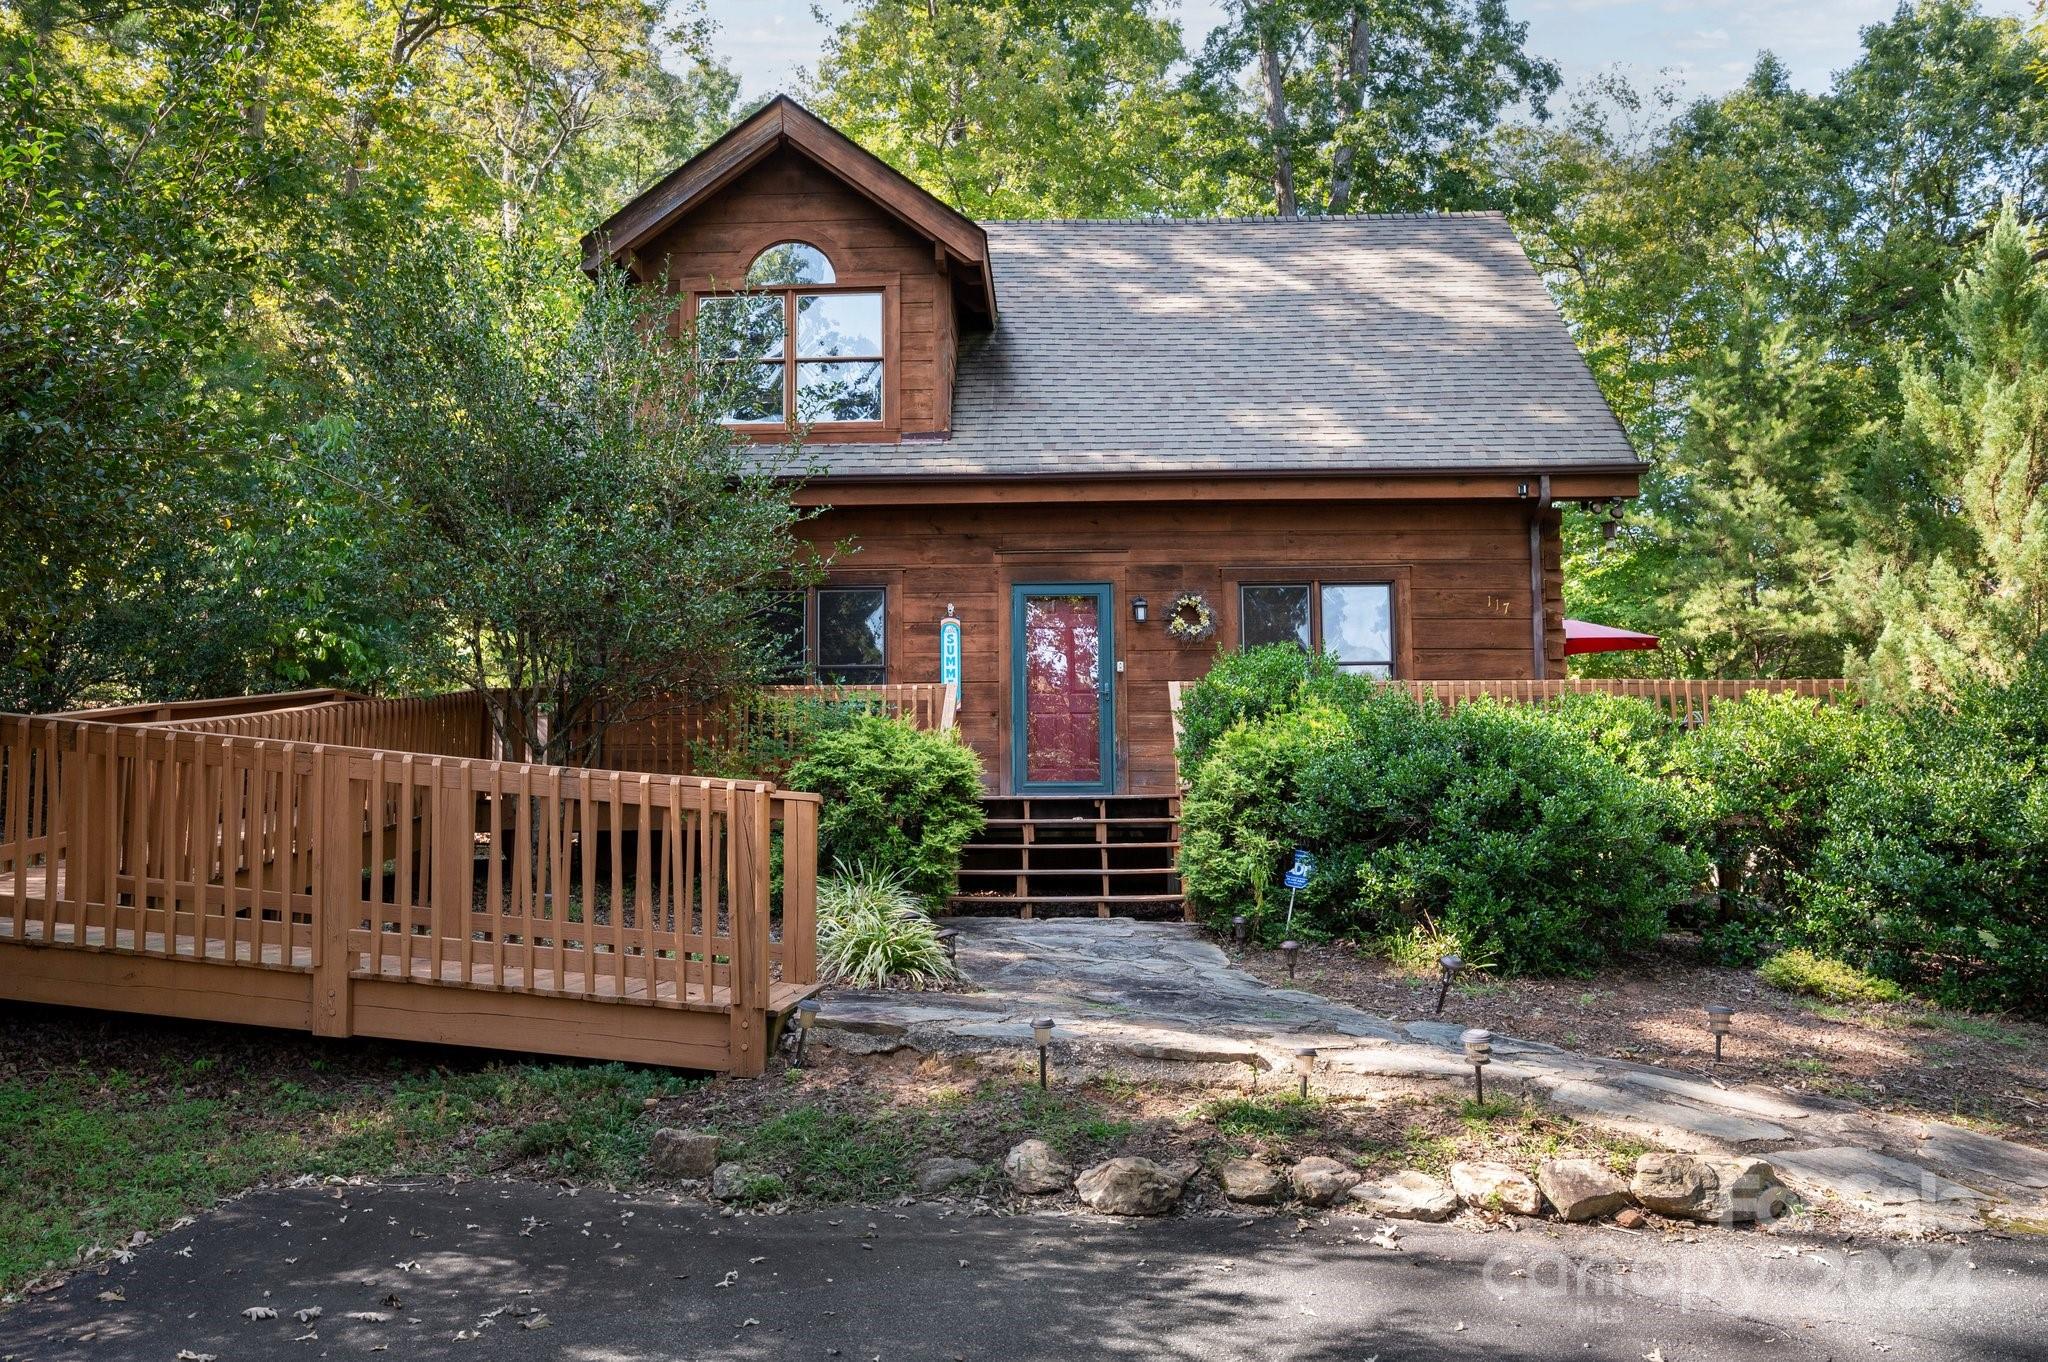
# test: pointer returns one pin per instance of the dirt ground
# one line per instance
(1990, 1073)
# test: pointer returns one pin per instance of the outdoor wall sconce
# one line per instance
(1719, 1021)
(949, 941)
(1239, 929)
(1292, 951)
(1479, 1054)
(1449, 966)
(1138, 609)
(806, 1015)
(1041, 1036)
(1304, 1064)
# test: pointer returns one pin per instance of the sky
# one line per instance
(1708, 45)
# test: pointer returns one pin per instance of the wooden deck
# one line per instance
(350, 890)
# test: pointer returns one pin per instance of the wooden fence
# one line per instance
(1690, 702)
(675, 738)
(289, 880)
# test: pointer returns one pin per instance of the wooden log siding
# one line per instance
(356, 870)
(1690, 702)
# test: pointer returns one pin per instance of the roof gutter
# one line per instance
(1183, 474)
(1536, 517)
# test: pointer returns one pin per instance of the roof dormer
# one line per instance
(841, 284)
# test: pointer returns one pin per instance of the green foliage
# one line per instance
(1934, 868)
(1637, 735)
(897, 800)
(780, 731)
(1978, 423)
(1336, 106)
(576, 531)
(830, 1155)
(1766, 770)
(1816, 976)
(950, 93)
(1247, 684)
(1247, 1117)
(1502, 829)
(872, 930)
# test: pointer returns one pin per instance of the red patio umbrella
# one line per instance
(1582, 636)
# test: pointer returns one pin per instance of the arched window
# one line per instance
(810, 351)
(789, 262)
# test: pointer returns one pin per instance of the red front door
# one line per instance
(1062, 695)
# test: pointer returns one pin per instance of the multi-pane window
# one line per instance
(805, 354)
(1354, 621)
(835, 635)
(852, 637)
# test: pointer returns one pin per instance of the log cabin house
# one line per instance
(1080, 457)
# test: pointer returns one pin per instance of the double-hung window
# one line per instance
(803, 350)
(1354, 621)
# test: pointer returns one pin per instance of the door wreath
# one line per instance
(1190, 619)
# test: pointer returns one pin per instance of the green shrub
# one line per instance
(871, 930)
(1816, 976)
(782, 731)
(1933, 870)
(1500, 828)
(1765, 770)
(1249, 684)
(1637, 735)
(897, 800)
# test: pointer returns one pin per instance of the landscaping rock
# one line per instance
(682, 1153)
(728, 1182)
(1407, 1195)
(1495, 1186)
(1727, 1190)
(936, 1175)
(1130, 1187)
(1629, 1218)
(1252, 1183)
(1034, 1169)
(1581, 1189)
(1319, 1181)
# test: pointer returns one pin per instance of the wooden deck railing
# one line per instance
(347, 890)
(675, 737)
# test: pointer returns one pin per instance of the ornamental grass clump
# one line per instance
(873, 931)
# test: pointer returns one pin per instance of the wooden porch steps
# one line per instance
(1064, 855)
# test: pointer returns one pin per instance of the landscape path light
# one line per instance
(949, 941)
(1304, 1065)
(1292, 951)
(1239, 929)
(1041, 1036)
(1479, 1054)
(806, 1016)
(1720, 1020)
(1449, 967)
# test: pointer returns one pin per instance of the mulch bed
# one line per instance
(1987, 1072)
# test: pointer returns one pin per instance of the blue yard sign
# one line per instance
(949, 651)
(1298, 873)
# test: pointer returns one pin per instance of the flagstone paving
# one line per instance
(1134, 994)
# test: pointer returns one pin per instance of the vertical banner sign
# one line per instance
(949, 652)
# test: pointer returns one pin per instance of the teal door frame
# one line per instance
(1105, 686)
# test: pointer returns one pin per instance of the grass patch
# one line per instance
(1416, 1148)
(1981, 1028)
(88, 1156)
(1261, 1117)
(1478, 1114)
(1801, 971)
(833, 1155)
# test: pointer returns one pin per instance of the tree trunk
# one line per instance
(1276, 127)
(1351, 74)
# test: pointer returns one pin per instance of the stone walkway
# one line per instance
(1132, 994)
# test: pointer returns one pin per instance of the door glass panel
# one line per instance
(1062, 698)
(1274, 614)
(1358, 626)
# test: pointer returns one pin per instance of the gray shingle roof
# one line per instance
(1409, 342)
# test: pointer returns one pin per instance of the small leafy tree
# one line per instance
(577, 533)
